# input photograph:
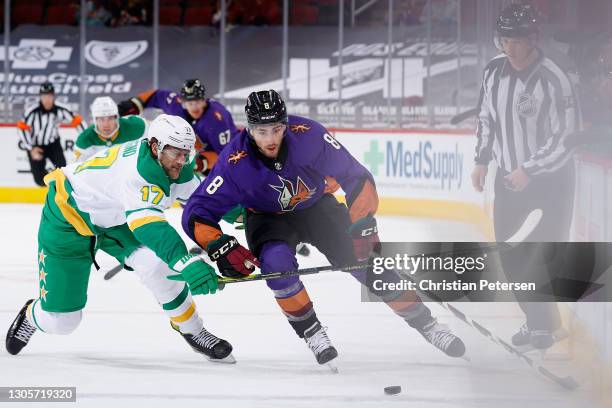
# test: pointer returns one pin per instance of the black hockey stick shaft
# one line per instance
(298, 272)
(531, 221)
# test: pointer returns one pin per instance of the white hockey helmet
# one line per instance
(170, 130)
(104, 106)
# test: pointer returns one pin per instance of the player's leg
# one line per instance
(272, 239)
(64, 263)
(38, 169)
(55, 153)
(173, 296)
(326, 225)
(510, 210)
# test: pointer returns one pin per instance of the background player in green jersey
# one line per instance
(108, 129)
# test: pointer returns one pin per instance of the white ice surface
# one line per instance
(124, 354)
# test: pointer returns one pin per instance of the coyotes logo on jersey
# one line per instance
(299, 128)
(235, 157)
(291, 196)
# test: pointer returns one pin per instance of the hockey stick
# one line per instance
(298, 272)
(530, 223)
(567, 382)
(118, 268)
(460, 117)
(113, 271)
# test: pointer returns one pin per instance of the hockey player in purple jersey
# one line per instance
(211, 121)
(276, 169)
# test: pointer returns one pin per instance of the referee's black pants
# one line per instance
(53, 151)
(554, 194)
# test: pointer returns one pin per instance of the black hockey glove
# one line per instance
(128, 107)
(233, 260)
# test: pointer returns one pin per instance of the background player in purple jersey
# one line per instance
(211, 121)
(276, 169)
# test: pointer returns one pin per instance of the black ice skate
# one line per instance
(526, 340)
(440, 336)
(215, 349)
(321, 346)
(20, 332)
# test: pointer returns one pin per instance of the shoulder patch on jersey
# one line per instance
(234, 158)
(299, 128)
(290, 196)
(218, 116)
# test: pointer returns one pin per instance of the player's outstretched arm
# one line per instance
(217, 195)
(151, 228)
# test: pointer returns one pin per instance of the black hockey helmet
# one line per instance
(264, 107)
(46, 88)
(517, 20)
(192, 90)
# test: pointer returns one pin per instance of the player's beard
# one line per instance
(174, 171)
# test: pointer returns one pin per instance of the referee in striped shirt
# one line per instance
(527, 109)
(39, 132)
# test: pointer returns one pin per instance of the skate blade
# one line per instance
(227, 360)
(333, 367)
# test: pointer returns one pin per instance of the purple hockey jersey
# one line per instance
(295, 180)
(215, 128)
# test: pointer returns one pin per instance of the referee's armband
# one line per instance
(21, 125)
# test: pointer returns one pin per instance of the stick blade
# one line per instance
(529, 225)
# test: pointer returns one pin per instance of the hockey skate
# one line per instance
(440, 336)
(20, 332)
(321, 346)
(215, 349)
(526, 340)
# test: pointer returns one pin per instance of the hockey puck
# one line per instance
(392, 390)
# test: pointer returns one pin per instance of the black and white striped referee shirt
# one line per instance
(524, 117)
(39, 127)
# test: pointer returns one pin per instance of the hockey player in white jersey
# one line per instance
(115, 202)
(108, 129)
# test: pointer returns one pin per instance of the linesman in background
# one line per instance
(39, 132)
(527, 109)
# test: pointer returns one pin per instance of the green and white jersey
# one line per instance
(126, 184)
(89, 143)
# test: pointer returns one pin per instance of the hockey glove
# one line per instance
(128, 107)
(205, 160)
(233, 260)
(364, 233)
(200, 276)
